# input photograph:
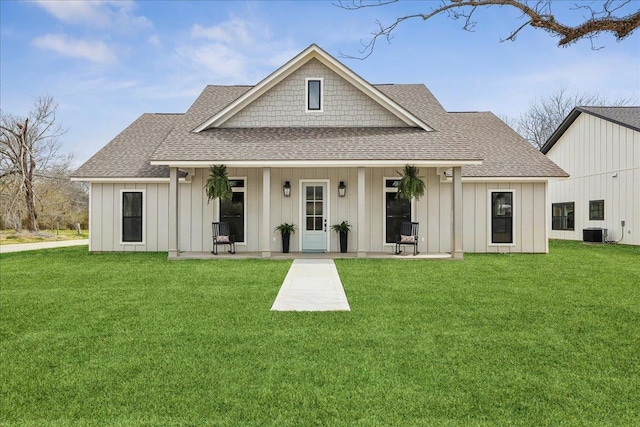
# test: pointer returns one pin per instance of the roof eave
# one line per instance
(317, 163)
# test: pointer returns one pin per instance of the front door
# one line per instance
(314, 217)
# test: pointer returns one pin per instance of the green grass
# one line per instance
(10, 237)
(133, 339)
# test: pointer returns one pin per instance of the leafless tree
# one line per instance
(544, 115)
(601, 17)
(61, 202)
(28, 146)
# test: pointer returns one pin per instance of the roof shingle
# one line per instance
(457, 136)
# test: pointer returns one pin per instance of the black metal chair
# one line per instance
(222, 236)
(408, 236)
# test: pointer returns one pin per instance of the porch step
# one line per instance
(311, 285)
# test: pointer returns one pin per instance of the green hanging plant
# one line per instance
(410, 185)
(218, 184)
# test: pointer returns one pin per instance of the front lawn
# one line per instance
(133, 339)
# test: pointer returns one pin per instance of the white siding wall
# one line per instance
(105, 217)
(529, 217)
(285, 104)
(433, 211)
(592, 151)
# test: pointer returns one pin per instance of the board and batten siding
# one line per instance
(433, 212)
(529, 216)
(603, 161)
(105, 211)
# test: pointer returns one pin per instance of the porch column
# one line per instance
(173, 213)
(457, 213)
(363, 226)
(266, 213)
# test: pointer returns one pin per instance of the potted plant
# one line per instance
(343, 228)
(218, 184)
(286, 230)
(411, 185)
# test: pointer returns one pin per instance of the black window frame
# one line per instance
(239, 192)
(596, 210)
(319, 82)
(132, 225)
(566, 220)
(392, 224)
(501, 221)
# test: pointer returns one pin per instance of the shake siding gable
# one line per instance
(285, 104)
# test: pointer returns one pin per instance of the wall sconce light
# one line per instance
(342, 189)
(286, 189)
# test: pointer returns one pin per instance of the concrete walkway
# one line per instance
(19, 247)
(312, 285)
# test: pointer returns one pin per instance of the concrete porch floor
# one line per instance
(303, 255)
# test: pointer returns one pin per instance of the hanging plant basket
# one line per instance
(411, 185)
(218, 184)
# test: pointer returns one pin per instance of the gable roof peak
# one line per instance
(313, 51)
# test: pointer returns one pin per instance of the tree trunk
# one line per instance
(28, 168)
(32, 214)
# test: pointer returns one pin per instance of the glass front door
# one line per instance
(314, 221)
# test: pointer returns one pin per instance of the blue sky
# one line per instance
(108, 62)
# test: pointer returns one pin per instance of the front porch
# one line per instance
(303, 255)
(314, 198)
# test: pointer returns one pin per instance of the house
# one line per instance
(600, 148)
(310, 128)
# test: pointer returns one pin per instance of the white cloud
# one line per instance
(236, 51)
(118, 14)
(154, 41)
(224, 62)
(234, 31)
(93, 50)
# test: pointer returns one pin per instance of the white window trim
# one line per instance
(490, 216)
(239, 190)
(144, 215)
(302, 210)
(386, 190)
(306, 94)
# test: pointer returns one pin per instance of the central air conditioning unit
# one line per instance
(594, 235)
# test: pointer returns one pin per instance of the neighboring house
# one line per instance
(313, 125)
(600, 148)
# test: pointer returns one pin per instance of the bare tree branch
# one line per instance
(544, 115)
(537, 14)
(28, 145)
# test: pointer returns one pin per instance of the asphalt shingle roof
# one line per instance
(624, 116)
(127, 155)
(457, 136)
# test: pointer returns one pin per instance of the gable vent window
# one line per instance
(314, 94)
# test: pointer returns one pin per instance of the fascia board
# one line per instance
(318, 163)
